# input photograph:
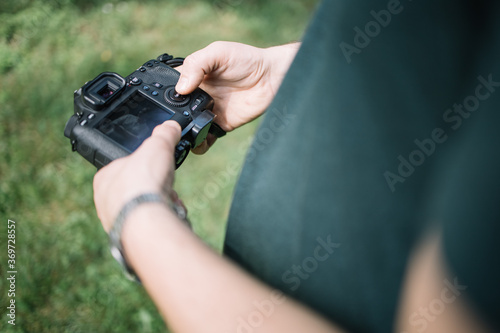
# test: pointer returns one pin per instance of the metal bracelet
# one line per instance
(116, 246)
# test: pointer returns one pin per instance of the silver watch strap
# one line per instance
(116, 246)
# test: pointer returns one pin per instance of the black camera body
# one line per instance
(114, 115)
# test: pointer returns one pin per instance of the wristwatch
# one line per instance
(116, 246)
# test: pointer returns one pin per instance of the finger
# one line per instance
(199, 64)
(163, 140)
(100, 178)
(205, 145)
(170, 130)
(201, 149)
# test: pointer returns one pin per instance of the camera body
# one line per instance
(113, 115)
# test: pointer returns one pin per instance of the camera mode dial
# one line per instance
(174, 98)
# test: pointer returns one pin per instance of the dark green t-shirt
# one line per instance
(386, 122)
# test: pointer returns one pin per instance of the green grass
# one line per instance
(67, 280)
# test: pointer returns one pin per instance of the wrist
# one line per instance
(148, 227)
(147, 211)
(150, 216)
(280, 58)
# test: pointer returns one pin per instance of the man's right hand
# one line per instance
(242, 79)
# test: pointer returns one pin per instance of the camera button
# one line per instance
(142, 69)
(135, 81)
(145, 88)
(186, 113)
(154, 93)
(83, 122)
(149, 64)
(90, 116)
(158, 85)
(196, 103)
(173, 98)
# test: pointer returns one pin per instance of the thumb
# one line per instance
(169, 132)
(196, 66)
(162, 141)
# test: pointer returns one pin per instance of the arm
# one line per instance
(194, 289)
(198, 291)
(433, 301)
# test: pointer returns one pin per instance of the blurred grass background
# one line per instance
(67, 280)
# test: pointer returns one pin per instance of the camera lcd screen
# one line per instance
(133, 121)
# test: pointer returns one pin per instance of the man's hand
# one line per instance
(149, 169)
(242, 79)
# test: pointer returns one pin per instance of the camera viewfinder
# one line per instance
(106, 91)
(102, 90)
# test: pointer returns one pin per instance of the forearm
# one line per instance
(428, 283)
(195, 289)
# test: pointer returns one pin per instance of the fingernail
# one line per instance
(172, 124)
(182, 84)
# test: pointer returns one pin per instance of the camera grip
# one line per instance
(92, 145)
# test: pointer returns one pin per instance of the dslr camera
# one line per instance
(113, 115)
